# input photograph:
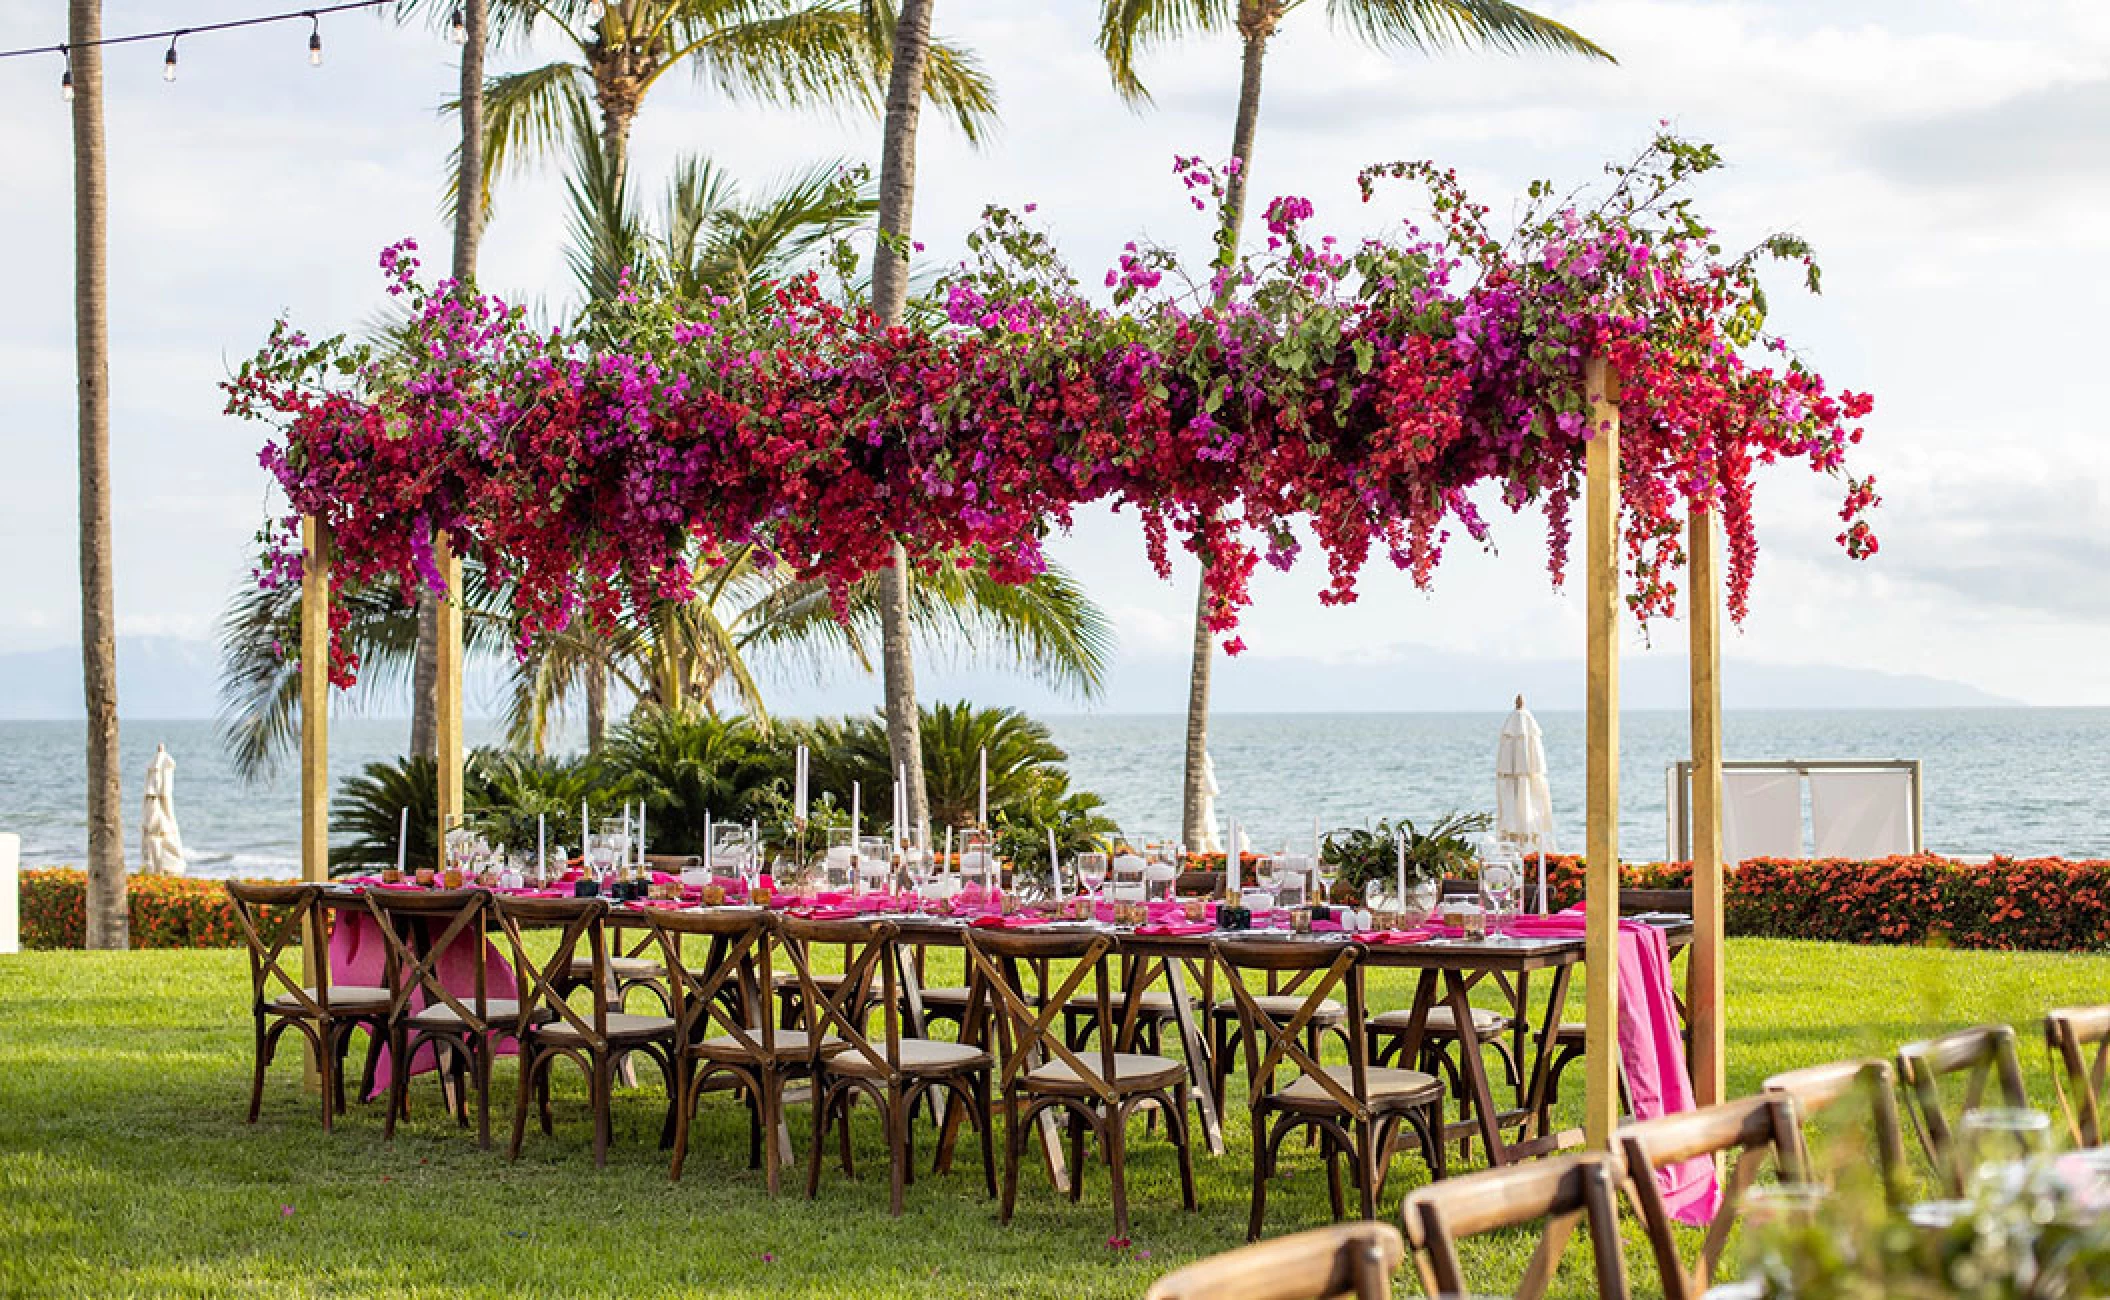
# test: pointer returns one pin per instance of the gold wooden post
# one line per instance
(447, 691)
(1703, 994)
(1601, 938)
(314, 726)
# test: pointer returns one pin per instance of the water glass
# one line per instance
(1498, 886)
(1992, 1141)
(1091, 873)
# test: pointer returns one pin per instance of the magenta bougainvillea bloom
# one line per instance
(1381, 397)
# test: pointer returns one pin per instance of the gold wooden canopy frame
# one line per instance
(1601, 564)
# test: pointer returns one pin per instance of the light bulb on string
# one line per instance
(66, 77)
(458, 27)
(168, 62)
(314, 41)
(595, 11)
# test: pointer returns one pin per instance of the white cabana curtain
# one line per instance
(1861, 814)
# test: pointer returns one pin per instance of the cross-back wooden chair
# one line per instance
(894, 1073)
(1818, 1088)
(418, 930)
(725, 1034)
(1579, 1189)
(630, 968)
(1283, 997)
(1346, 1260)
(1357, 1109)
(1982, 1055)
(550, 1029)
(1098, 1089)
(279, 922)
(1756, 1129)
(2076, 1072)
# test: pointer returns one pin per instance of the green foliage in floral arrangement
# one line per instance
(1364, 853)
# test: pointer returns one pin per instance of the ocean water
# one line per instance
(2020, 781)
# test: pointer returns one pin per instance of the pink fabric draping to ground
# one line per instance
(1651, 1047)
(357, 952)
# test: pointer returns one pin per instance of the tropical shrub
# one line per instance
(166, 911)
(692, 768)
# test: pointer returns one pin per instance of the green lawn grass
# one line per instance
(125, 1167)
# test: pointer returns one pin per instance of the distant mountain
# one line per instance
(166, 677)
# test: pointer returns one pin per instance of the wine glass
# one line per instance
(1498, 887)
(1325, 870)
(1292, 879)
(1091, 873)
(1267, 873)
(839, 864)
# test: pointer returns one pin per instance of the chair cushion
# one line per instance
(1385, 1085)
(955, 995)
(1441, 1021)
(356, 999)
(620, 1025)
(1133, 1072)
(497, 1011)
(1283, 1006)
(1156, 1003)
(790, 1045)
(623, 968)
(918, 1056)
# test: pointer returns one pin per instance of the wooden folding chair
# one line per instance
(1982, 1055)
(2078, 1075)
(549, 1029)
(276, 920)
(1348, 1259)
(423, 1012)
(1356, 1109)
(1099, 1090)
(1564, 1192)
(1817, 1088)
(725, 1035)
(1755, 1128)
(895, 1073)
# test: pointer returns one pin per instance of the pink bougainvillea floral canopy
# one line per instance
(1380, 395)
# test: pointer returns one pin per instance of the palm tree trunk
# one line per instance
(897, 204)
(596, 705)
(1256, 22)
(107, 920)
(468, 235)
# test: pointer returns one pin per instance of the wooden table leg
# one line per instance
(1473, 1068)
(1199, 1066)
(1542, 1058)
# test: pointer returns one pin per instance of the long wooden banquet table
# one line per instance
(1449, 970)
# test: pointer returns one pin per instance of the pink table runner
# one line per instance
(1651, 1047)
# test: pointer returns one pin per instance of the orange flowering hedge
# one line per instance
(2049, 904)
(166, 911)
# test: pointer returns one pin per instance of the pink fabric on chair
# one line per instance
(357, 951)
(1651, 1047)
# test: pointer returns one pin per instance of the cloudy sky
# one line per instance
(1947, 158)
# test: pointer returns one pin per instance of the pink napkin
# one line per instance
(662, 878)
(657, 902)
(1650, 1047)
(1176, 928)
(1000, 922)
(1389, 938)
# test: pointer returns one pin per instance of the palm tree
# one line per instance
(912, 60)
(828, 53)
(1127, 27)
(108, 918)
(468, 235)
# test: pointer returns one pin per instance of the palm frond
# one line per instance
(1049, 626)
(1428, 25)
(1128, 27)
(527, 117)
(606, 238)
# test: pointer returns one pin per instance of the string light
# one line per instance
(458, 31)
(458, 27)
(595, 11)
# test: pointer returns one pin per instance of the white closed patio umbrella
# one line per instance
(1523, 801)
(160, 843)
(1210, 841)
